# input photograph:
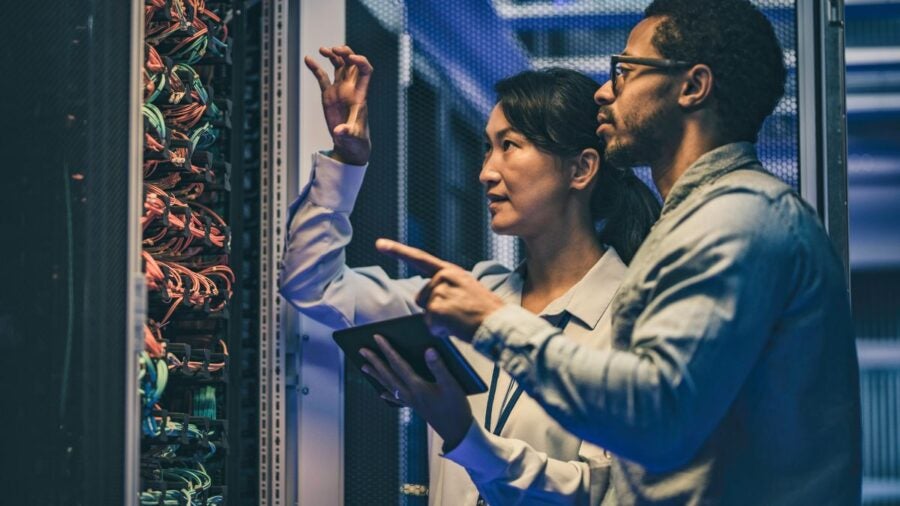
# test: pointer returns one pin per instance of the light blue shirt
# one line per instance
(732, 377)
(534, 460)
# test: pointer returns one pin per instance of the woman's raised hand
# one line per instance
(344, 102)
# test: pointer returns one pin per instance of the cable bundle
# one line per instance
(205, 402)
(186, 247)
(154, 73)
(179, 114)
(153, 377)
(185, 29)
(210, 364)
(179, 285)
(191, 484)
(153, 341)
(171, 226)
(155, 132)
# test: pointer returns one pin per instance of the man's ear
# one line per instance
(697, 89)
(585, 165)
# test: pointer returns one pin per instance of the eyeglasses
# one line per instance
(615, 73)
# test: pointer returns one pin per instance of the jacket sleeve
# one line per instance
(509, 471)
(656, 401)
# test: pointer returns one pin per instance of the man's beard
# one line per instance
(646, 140)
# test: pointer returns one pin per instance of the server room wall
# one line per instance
(64, 134)
(873, 130)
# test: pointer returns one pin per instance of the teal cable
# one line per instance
(202, 136)
(155, 117)
(194, 79)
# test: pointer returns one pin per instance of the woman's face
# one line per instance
(526, 188)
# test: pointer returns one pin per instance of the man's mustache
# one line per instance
(606, 115)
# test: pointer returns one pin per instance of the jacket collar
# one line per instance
(709, 168)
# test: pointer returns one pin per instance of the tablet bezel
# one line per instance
(410, 337)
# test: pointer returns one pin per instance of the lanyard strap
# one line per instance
(507, 408)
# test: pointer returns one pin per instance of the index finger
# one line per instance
(320, 75)
(419, 260)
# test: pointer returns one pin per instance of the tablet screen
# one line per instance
(409, 335)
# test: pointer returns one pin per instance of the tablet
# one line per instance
(408, 335)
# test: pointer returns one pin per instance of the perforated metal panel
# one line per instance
(65, 337)
(372, 431)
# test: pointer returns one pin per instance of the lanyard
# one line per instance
(507, 407)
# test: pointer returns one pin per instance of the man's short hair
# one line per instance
(738, 43)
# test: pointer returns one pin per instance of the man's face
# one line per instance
(636, 122)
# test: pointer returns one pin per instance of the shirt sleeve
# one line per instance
(724, 276)
(509, 471)
(314, 276)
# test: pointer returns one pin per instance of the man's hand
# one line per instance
(344, 102)
(442, 404)
(455, 303)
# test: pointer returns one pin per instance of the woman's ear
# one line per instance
(585, 167)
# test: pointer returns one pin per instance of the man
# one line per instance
(733, 375)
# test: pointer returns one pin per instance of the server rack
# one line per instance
(67, 329)
(80, 130)
(243, 76)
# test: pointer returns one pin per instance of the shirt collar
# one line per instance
(587, 300)
(708, 168)
(510, 290)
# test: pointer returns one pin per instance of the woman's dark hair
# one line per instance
(555, 110)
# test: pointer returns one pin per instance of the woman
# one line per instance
(544, 183)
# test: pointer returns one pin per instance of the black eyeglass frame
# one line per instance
(659, 63)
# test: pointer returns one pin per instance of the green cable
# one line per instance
(143, 358)
(213, 111)
(193, 52)
(159, 82)
(151, 498)
(205, 402)
(194, 78)
(188, 491)
(204, 133)
(155, 117)
(162, 377)
(182, 16)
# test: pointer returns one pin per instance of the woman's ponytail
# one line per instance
(627, 209)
